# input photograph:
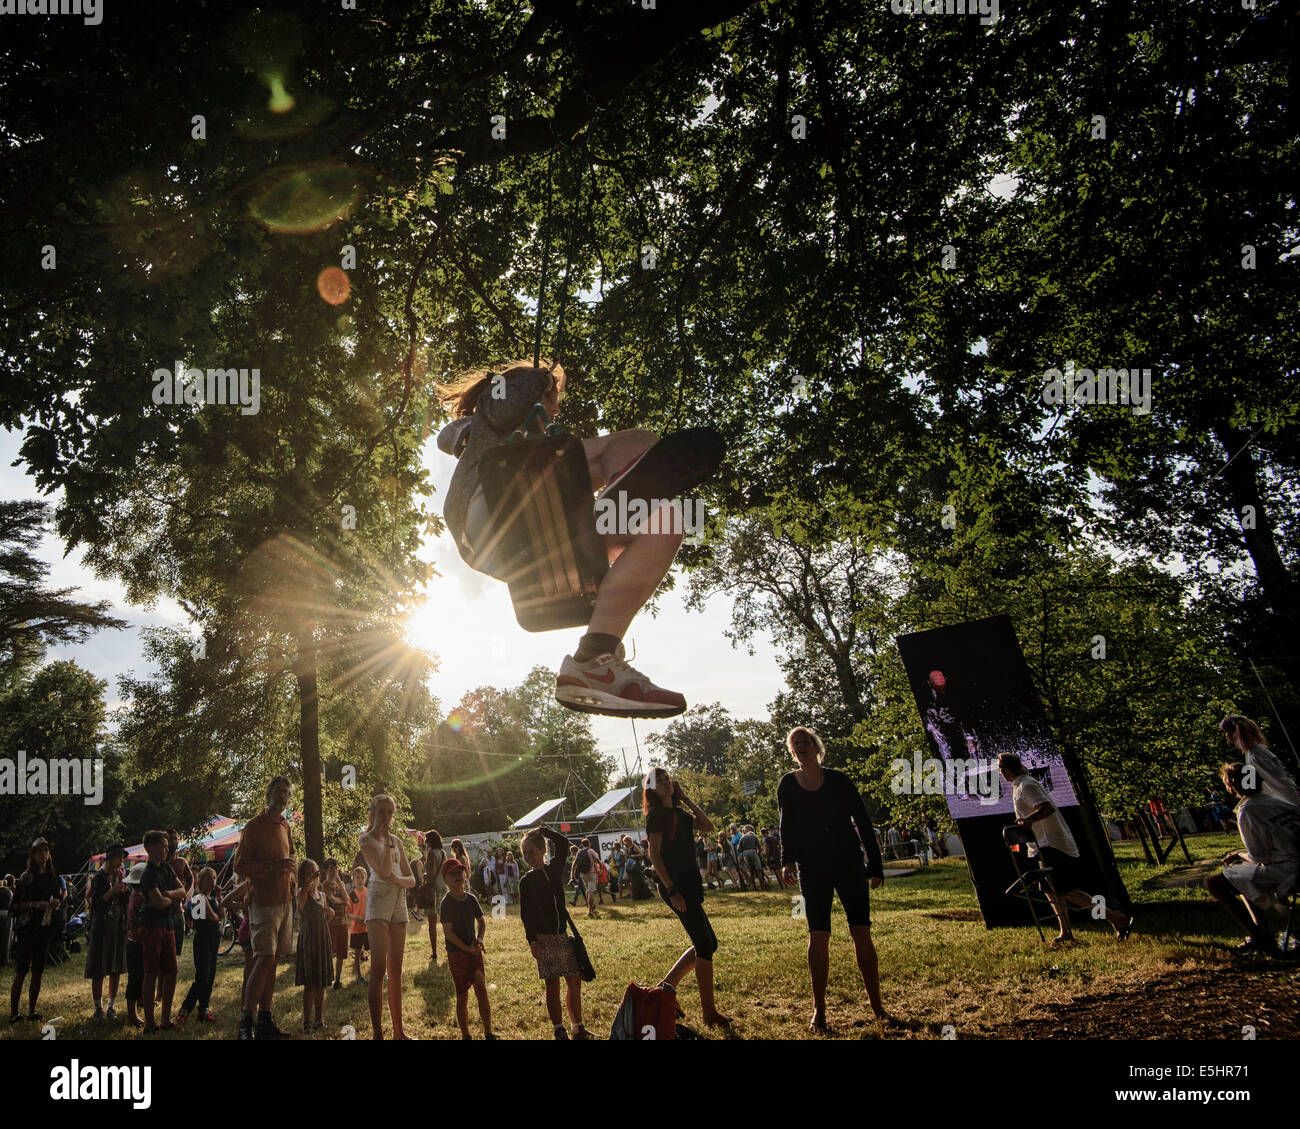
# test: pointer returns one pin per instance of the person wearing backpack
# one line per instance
(670, 821)
(586, 869)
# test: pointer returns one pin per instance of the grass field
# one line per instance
(939, 965)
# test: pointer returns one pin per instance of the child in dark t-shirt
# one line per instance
(463, 926)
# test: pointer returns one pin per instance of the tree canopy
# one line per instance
(858, 243)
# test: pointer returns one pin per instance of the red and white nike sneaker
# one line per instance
(607, 685)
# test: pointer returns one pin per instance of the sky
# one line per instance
(468, 624)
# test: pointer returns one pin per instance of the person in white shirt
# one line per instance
(1274, 780)
(1056, 847)
(1270, 867)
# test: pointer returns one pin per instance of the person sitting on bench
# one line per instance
(485, 408)
(1252, 881)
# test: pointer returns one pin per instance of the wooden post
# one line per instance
(1141, 830)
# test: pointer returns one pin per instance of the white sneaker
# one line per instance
(607, 685)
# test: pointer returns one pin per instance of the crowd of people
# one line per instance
(137, 918)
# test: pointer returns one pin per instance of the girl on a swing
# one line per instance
(485, 408)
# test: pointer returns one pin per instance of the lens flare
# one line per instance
(308, 201)
(333, 285)
(455, 722)
(281, 101)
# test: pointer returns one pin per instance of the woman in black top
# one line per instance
(670, 821)
(37, 897)
(819, 808)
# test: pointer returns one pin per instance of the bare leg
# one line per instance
(396, 951)
(484, 1006)
(1117, 921)
(15, 993)
(1062, 917)
(638, 567)
(867, 965)
(378, 962)
(553, 1003)
(574, 985)
(638, 563)
(608, 455)
(146, 997)
(704, 982)
(819, 969)
(462, 1011)
(684, 964)
(168, 991)
(1223, 892)
(433, 935)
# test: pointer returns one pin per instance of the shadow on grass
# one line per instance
(435, 985)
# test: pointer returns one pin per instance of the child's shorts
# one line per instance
(361, 941)
(463, 967)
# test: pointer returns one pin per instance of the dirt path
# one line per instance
(1204, 1004)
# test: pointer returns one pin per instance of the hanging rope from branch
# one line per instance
(546, 261)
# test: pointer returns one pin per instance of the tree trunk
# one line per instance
(1280, 588)
(1242, 479)
(309, 705)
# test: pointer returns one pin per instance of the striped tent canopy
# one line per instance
(216, 844)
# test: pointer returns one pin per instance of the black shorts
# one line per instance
(1066, 871)
(817, 885)
(698, 929)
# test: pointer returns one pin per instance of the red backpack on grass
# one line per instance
(646, 1013)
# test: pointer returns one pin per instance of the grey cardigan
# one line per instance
(471, 437)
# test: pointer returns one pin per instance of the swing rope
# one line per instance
(546, 261)
(568, 264)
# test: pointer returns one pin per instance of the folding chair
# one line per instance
(1033, 882)
(539, 493)
(1289, 902)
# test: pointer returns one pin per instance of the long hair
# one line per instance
(432, 840)
(1249, 733)
(462, 394)
(31, 857)
(458, 852)
(650, 799)
(374, 808)
(306, 869)
(1233, 775)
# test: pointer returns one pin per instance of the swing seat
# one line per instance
(539, 494)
